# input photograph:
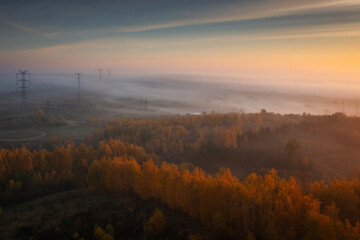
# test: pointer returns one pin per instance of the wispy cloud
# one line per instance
(129, 46)
(32, 30)
(22, 27)
(239, 13)
(52, 34)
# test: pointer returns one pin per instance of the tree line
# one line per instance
(173, 135)
(25, 174)
(327, 145)
(259, 207)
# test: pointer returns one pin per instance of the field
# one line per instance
(25, 135)
(61, 116)
(38, 135)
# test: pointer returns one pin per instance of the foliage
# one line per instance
(156, 224)
(76, 235)
(100, 234)
(266, 207)
(291, 147)
(258, 207)
(30, 173)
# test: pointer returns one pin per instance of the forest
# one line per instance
(238, 176)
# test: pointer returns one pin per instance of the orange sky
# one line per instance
(268, 40)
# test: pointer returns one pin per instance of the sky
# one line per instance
(294, 41)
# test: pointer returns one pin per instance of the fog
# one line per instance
(182, 94)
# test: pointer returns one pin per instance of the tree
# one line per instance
(41, 117)
(91, 121)
(291, 148)
(110, 230)
(156, 224)
(76, 235)
(80, 171)
(100, 234)
(147, 181)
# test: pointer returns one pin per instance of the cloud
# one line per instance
(52, 34)
(32, 30)
(129, 46)
(22, 27)
(242, 13)
(294, 15)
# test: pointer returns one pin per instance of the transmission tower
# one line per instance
(78, 77)
(48, 107)
(100, 70)
(23, 84)
(109, 74)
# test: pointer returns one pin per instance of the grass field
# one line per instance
(41, 134)
(68, 132)
(21, 135)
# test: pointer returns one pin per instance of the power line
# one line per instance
(24, 84)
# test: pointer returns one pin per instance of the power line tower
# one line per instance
(24, 84)
(78, 77)
(146, 103)
(100, 70)
(48, 107)
(109, 74)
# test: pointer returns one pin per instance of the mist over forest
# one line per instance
(181, 94)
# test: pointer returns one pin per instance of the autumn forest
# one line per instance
(238, 176)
